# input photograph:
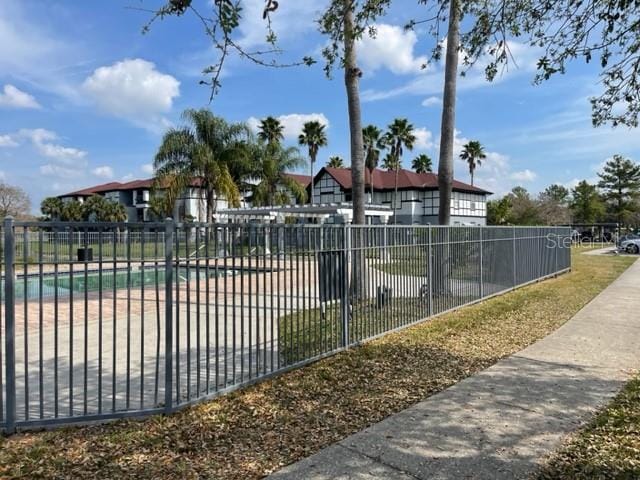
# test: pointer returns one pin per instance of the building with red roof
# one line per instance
(418, 197)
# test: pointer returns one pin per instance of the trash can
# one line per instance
(85, 254)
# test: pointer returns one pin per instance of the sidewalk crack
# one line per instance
(379, 460)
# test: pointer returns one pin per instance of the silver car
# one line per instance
(630, 246)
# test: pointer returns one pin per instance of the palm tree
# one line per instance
(335, 162)
(373, 144)
(422, 164)
(390, 163)
(274, 186)
(115, 212)
(271, 130)
(203, 151)
(473, 154)
(72, 212)
(313, 136)
(398, 137)
(51, 207)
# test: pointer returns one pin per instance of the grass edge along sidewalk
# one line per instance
(257, 430)
(607, 448)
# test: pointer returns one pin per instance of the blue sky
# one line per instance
(85, 97)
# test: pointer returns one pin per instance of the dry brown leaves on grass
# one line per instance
(608, 448)
(253, 432)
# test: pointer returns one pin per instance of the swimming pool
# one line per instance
(33, 286)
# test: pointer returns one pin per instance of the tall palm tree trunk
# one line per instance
(371, 186)
(210, 205)
(471, 172)
(447, 129)
(395, 198)
(351, 80)
(312, 161)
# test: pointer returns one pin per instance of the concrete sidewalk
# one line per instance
(500, 423)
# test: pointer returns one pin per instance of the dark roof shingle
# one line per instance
(385, 180)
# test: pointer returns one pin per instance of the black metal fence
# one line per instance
(103, 320)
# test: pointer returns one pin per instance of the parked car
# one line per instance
(630, 246)
(628, 236)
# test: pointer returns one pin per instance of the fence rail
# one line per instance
(102, 321)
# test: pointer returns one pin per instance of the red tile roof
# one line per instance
(118, 186)
(303, 180)
(385, 180)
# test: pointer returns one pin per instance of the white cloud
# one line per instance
(134, 90)
(7, 141)
(424, 138)
(34, 52)
(431, 101)
(525, 175)
(103, 172)
(61, 171)
(292, 123)
(392, 48)
(13, 97)
(430, 83)
(147, 168)
(42, 140)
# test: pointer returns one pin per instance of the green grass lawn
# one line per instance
(608, 448)
(259, 429)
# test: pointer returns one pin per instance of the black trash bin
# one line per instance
(85, 254)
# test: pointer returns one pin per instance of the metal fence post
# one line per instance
(10, 325)
(168, 309)
(515, 276)
(344, 300)
(481, 267)
(556, 249)
(430, 267)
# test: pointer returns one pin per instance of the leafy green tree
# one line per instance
(271, 130)
(422, 164)
(524, 210)
(473, 154)
(274, 186)
(51, 208)
(373, 145)
(335, 162)
(499, 211)
(564, 30)
(399, 136)
(620, 184)
(313, 137)
(586, 204)
(556, 193)
(203, 150)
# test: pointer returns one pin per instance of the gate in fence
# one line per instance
(106, 320)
